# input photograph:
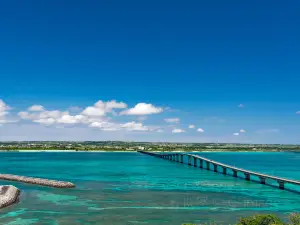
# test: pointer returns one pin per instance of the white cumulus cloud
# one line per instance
(132, 126)
(200, 130)
(191, 126)
(36, 108)
(101, 108)
(177, 130)
(4, 113)
(142, 109)
(106, 126)
(172, 120)
(242, 131)
(236, 134)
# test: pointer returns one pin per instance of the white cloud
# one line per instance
(51, 117)
(242, 131)
(91, 114)
(106, 126)
(101, 108)
(191, 126)
(142, 109)
(45, 121)
(132, 126)
(160, 130)
(4, 108)
(176, 130)
(172, 120)
(298, 112)
(236, 134)
(112, 104)
(68, 119)
(36, 108)
(93, 111)
(200, 130)
(241, 106)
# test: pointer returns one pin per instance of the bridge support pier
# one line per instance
(207, 165)
(247, 176)
(201, 163)
(281, 184)
(195, 162)
(189, 160)
(234, 173)
(215, 168)
(262, 180)
(181, 158)
(224, 170)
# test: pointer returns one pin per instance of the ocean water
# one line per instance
(133, 188)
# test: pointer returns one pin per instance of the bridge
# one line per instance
(193, 159)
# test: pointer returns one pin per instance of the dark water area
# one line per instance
(132, 188)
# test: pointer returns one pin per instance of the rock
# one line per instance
(8, 195)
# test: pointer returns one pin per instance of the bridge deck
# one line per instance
(246, 171)
(260, 175)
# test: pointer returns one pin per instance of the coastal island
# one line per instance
(118, 146)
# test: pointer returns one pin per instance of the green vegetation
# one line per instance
(294, 219)
(147, 146)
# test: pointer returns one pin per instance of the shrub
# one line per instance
(261, 220)
(295, 219)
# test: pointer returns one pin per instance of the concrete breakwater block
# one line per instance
(8, 195)
(38, 181)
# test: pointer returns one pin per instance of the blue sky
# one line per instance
(192, 60)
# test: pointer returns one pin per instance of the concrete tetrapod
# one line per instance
(8, 195)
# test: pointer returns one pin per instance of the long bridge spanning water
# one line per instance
(193, 159)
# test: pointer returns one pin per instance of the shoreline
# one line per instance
(126, 151)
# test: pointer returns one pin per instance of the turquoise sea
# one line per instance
(133, 188)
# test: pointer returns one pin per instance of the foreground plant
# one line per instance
(268, 219)
(294, 219)
(261, 220)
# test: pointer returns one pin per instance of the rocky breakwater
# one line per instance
(8, 195)
(38, 181)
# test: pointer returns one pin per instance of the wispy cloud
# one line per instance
(236, 134)
(267, 131)
(178, 130)
(172, 120)
(241, 105)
